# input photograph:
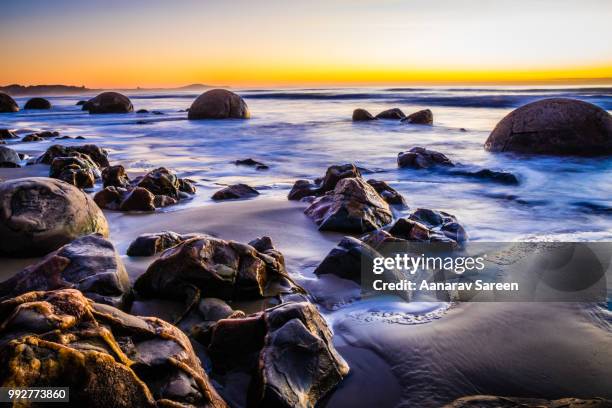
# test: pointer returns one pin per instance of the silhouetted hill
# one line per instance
(16, 89)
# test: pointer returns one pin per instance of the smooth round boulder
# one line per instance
(362, 115)
(7, 104)
(109, 102)
(38, 215)
(555, 126)
(218, 104)
(8, 157)
(37, 103)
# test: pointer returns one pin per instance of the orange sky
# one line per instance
(289, 43)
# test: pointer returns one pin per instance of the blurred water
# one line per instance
(299, 133)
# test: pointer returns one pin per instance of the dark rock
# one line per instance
(421, 158)
(7, 104)
(95, 153)
(388, 193)
(80, 138)
(9, 165)
(353, 206)
(490, 401)
(422, 117)
(501, 177)
(9, 157)
(32, 138)
(362, 115)
(151, 244)
(110, 197)
(89, 264)
(138, 199)
(378, 238)
(106, 357)
(160, 201)
(235, 191)
(115, 176)
(157, 112)
(346, 259)
(395, 113)
(556, 126)
(410, 230)
(425, 225)
(81, 103)
(463, 129)
(187, 186)
(7, 134)
(218, 104)
(45, 134)
(109, 102)
(65, 137)
(160, 181)
(40, 215)
(78, 171)
(335, 173)
(142, 111)
(288, 351)
(251, 162)
(37, 103)
(227, 270)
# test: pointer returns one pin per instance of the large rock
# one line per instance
(353, 206)
(89, 264)
(39, 215)
(160, 181)
(109, 102)
(556, 126)
(346, 260)
(218, 104)
(288, 352)
(77, 170)
(335, 173)
(362, 115)
(421, 158)
(151, 244)
(422, 117)
(95, 153)
(227, 270)
(7, 104)
(37, 103)
(490, 401)
(106, 357)
(394, 113)
(7, 134)
(8, 157)
(115, 176)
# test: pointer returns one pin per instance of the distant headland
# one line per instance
(22, 90)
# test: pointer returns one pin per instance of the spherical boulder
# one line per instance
(8, 157)
(218, 104)
(7, 104)
(38, 215)
(37, 103)
(556, 126)
(362, 115)
(109, 102)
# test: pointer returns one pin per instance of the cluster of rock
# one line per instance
(343, 201)
(157, 188)
(77, 165)
(422, 117)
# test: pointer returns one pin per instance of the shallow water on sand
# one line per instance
(299, 133)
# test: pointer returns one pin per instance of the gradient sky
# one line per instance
(273, 42)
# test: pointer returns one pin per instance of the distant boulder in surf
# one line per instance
(395, 113)
(37, 103)
(421, 158)
(362, 115)
(7, 104)
(109, 102)
(557, 126)
(218, 104)
(422, 117)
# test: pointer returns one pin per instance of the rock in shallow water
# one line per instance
(421, 158)
(7, 134)
(388, 193)
(106, 357)
(95, 153)
(557, 126)
(335, 173)
(394, 113)
(7, 104)
(422, 117)
(77, 170)
(109, 102)
(151, 244)
(362, 115)
(353, 206)
(39, 215)
(37, 103)
(287, 351)
(218, 104)
(235, 191)
(89, 264)
(8, 157)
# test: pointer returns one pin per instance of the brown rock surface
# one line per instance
(218, 104)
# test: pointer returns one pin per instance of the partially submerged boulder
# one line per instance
(39, 215)
(501, 177)
(335, 173)
(7, 104)
(287, 350)
(137, 199)
(115, 176)
(421, 158)
(37, 103)
(106, 357)
(353, 206)
(8, 157)
(32, 138)
(428, 225)
(218, 104)
(557, 126)
(227, 270)
(151, 244)
(109, 102)
(388, 193)
(89, 264)
(252, 163)
(7, 134)
(422, 117)
(77, 170)
(362, 115)
(98, 155)
(394, 113)
(235, 191)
